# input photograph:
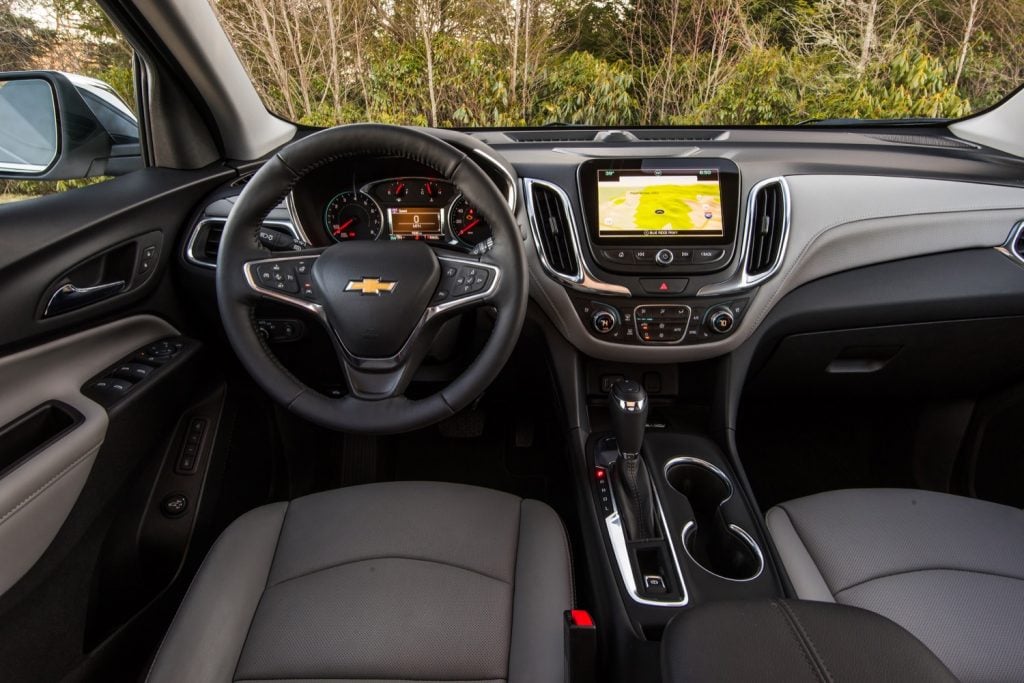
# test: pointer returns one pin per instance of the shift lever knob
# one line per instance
(628, 404)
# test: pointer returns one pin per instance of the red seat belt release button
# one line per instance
(580, 646)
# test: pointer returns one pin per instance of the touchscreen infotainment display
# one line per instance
(660, 204)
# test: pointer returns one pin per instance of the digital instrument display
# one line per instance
(659, 204)
(416, 223)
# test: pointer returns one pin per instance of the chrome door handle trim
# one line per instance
(70, 297)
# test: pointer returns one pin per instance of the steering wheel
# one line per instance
(381, 302)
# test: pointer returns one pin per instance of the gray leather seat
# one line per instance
(398, 581)
(948, 569)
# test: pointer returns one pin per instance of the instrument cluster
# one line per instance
(412, 208)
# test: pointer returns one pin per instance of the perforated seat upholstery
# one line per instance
(401, 581)
(948, 569)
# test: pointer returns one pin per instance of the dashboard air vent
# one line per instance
(211, 243)
(924, 140)
(553, 230)
(669, 135)
(1018, 244)
(554, 135)
(767, 220)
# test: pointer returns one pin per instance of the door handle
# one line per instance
(70, 297)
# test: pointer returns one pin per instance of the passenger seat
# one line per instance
(948, 569)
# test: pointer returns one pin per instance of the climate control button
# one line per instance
(604, 321)
(721, 320)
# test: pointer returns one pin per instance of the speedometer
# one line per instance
(353, 216)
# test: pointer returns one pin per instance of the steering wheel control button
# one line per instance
(661, 324)
(703, 256)
(279, 275)
(174, 505)
(664, 257)
(663, 285)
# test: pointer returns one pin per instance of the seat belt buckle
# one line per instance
(580, 646)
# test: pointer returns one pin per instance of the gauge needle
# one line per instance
(398, 190)
(341, 228)
(468, 227)
(429, 187)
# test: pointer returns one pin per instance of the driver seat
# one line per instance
(413, 581)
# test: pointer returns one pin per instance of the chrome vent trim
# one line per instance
(1014, 245)
(554, 231)
(196, 249)
(582, 278)
(744, 280)
(766, 215)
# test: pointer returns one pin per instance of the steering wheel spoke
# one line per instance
(286, 279)
(465, 283)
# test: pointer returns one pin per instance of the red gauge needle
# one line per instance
(398, 190)
(429, 187)
(468, 227)
(341, 228)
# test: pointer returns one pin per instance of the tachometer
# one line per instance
(467, 226)
(353, 216)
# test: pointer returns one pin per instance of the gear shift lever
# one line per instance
(629, 416)
(629, 481)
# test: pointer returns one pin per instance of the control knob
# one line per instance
(721, 320)
(604, 321)
(664, 257)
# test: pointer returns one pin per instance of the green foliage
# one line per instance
(581, 88)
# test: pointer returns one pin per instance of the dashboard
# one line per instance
(386, 199)
(648, 248)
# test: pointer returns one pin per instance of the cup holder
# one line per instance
(717, 546)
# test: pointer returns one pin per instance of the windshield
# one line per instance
(503, 63)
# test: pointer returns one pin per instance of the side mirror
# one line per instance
(57, 126)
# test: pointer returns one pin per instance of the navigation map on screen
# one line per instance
(635, 203)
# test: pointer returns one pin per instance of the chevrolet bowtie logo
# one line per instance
(371, 285)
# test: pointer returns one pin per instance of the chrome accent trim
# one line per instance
(69, 297)
(1009, 247)
(249, 269)
(511, 194)
(190, 247)
(617, 537)
(316, 309)
(686, 330)
(297, 228)
(742, 280)
(692, 524)
(584, 280)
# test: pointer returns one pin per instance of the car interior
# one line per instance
(380, 402)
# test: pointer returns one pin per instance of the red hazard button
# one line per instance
(663, 285)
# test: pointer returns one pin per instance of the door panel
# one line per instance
(40, 488)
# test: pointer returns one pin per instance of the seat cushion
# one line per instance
(401, 581)
(948, 569)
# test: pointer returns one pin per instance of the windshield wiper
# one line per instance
(913, 121)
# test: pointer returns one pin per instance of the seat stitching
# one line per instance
(807, 636)
(270, 570)
(799, 641)
(928, 569)
(799, 537)
(390, 557)
(515, 575)
(53, 480)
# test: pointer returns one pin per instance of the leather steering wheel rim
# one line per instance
(240, 247)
